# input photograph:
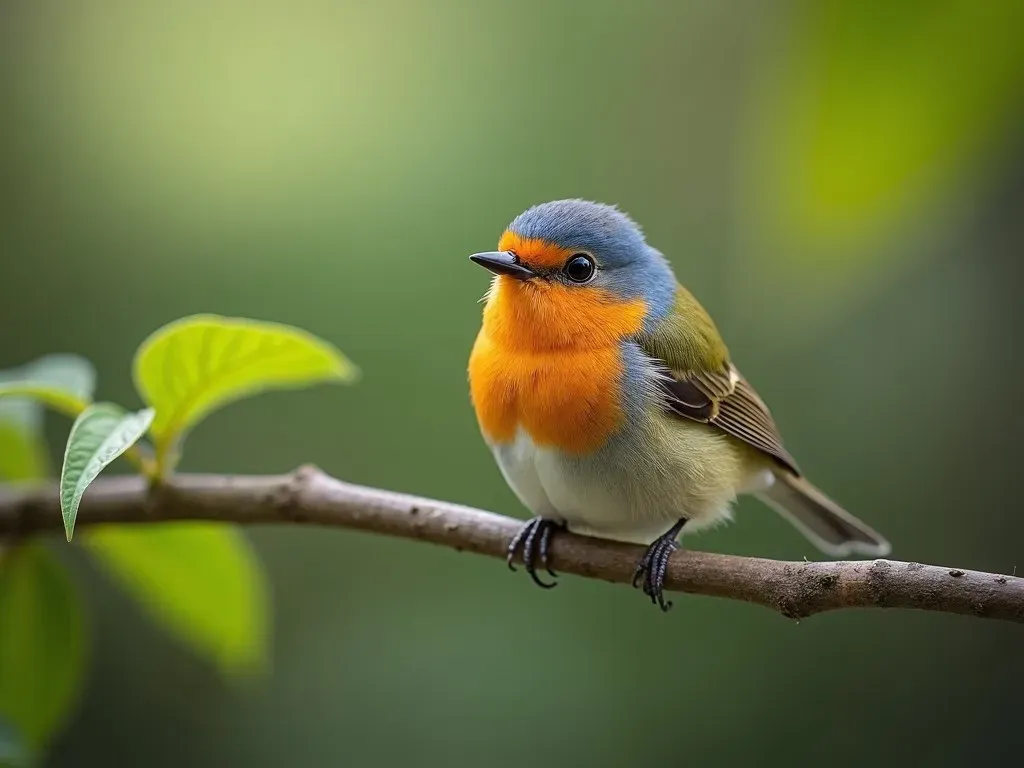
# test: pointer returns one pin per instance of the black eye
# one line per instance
(579, 268)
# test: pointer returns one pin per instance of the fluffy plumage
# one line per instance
(613, 407)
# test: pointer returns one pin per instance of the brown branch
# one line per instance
(307, 496)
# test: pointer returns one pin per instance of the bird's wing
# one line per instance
(724, 399)
(700, 383)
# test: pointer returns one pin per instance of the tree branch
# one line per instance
(308, 496)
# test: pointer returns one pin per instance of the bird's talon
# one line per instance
(534, 539)
(653, 566)
(540, 582)
(513, 546)
(545, 541)
(636, 576)
(637, 573)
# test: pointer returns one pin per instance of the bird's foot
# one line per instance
(534, 539)
(654, 564)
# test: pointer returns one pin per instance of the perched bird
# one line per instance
(610, 403)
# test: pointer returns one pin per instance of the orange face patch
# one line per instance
(533, 251)
(547, 359)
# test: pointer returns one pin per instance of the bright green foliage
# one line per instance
(99, 435)
(61, 400)
(881, 104)
(201, 581)
(63, 382)
(42, 643)
(22, 454)
(41, 635)
(195, 365)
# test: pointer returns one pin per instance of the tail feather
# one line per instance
(828, 526)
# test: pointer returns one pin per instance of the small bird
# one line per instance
(610, 403)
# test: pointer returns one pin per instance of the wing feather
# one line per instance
(700, 383)
(724, 399)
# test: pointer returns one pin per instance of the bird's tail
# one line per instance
(828, 526)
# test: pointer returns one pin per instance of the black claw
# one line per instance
(654, 565)
(639, 571)
(652, 585)
(514, 545)
(529, 553)
(659, 580)
(652, 570)
(545, 542)
(534, 539)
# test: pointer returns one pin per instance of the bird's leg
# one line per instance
(654, 564)
(534, 539)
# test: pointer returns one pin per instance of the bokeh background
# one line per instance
(841, 183)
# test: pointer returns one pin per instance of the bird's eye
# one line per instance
(579, 268)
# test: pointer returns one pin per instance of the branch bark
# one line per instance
(308, 496)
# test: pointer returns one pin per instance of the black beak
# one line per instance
(503, 263)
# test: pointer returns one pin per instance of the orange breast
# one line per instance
(547, 359)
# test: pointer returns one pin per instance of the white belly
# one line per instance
(633, 494)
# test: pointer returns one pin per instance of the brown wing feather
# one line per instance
(726, 400)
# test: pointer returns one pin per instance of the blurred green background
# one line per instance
(842, 184)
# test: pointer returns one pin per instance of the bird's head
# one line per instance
(574, 273)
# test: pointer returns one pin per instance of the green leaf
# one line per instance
(876, 121)
(23, 454)
(880, 107)
(99, 435)
(201, 581)
(197, 364)
(59, 400)
(42, 643)
(63, 382)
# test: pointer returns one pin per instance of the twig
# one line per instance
(308, 496)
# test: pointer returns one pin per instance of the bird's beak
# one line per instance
(503, 263)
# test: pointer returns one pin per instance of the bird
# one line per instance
(611, 404)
